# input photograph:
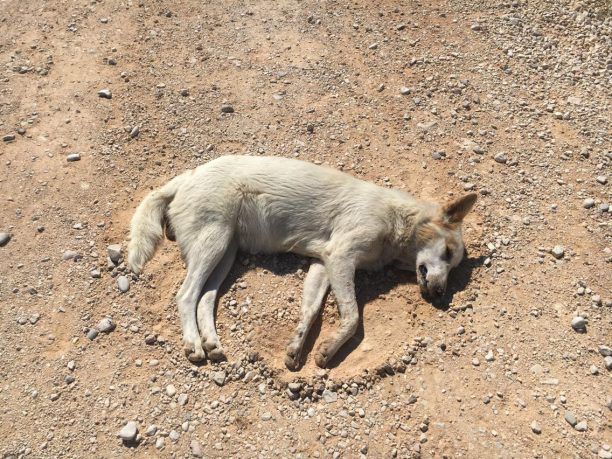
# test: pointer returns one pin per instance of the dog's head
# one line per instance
(439, 244)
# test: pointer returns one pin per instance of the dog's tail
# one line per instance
(147, 227)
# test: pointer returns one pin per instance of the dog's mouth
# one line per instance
(429, 292)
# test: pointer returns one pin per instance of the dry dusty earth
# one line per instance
(510, 98)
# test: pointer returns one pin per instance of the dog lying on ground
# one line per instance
(270, 204)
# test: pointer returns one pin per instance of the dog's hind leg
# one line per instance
(316, 286)
(205, 252)
(341, 272)
(206, 306)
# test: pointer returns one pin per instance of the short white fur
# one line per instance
(271, 204)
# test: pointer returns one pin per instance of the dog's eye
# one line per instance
(448, 254)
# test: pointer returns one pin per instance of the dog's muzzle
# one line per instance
(431, 291)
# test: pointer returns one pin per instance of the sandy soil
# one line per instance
(507, 98)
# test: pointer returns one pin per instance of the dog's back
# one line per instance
(277, 204)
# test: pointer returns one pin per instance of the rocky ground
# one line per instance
(100, 101)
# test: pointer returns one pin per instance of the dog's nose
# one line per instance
(435, 293)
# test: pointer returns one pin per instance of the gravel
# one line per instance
(196, 448)
(170, 390)
(92, 333)
(129, 432)
(105, 93)
(581, 426)
(329, 396)
(106, 325)
(123, 284)
(114, 253)
(515, 110)
(558, 251)
(579, 324)
(571, 418)
(605, 351)
(535, 427)
(219, 377)
(71, 255)
(4, 239)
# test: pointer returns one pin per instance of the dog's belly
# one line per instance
(266, 224)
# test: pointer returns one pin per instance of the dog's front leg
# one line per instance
(341, 272)
(315, 289)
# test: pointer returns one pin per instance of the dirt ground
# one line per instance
(507, 98)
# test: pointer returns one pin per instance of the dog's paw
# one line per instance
(321, 357)
(216, 355)
(292, 360)
(214, 351)
(194, 354)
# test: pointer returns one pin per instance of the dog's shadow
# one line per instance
(368, 286)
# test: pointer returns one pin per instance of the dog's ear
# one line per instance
(455, 211)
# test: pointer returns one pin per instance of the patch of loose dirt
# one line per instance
(510, 99)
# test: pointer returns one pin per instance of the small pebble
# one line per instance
(558, 252)
(4, 239)
(571, 418)
(128, 432)
(608, 362)
(8, 137)
(581, 426)
(123, 284)
(70, 255)
(605, 351)
(219, 377)
(170, 390)
(227, 108)
(602, 179)
(588, 203)
(114, 253)
(196, 449)
(579, 324)
(329, 396)
(535, 428)
(92, 333)
(72, 157)
(501, 158)
(105, 93)
(106, 325)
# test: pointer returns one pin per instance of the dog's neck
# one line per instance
(408, 215)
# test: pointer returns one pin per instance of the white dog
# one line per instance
(270, 204)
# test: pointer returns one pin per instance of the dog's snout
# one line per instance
(423, 271)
